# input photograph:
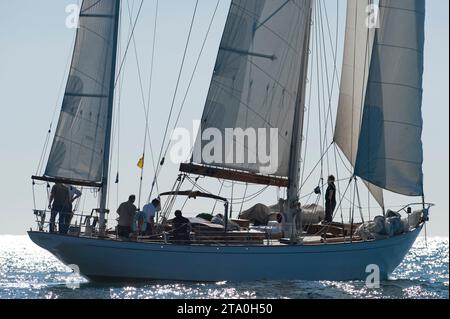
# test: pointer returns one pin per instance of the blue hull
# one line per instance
(114, 260)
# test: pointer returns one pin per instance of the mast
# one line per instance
(107, 151)
(296, 144)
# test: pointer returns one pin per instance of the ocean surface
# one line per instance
(27, 271)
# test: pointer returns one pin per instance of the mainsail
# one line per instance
(390, 153)
(255, 85)
(81, 139)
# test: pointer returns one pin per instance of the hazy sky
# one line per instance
(36, 45)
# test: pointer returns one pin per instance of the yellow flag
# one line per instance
(140, 164)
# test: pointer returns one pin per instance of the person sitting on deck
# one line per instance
(126, 212)
(150, 211)
(181, 228)
(59, 204)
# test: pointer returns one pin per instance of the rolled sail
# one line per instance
(80, 139)
(390, 153)
(254, 87)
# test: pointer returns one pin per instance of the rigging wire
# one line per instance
(149, 98)
(236, 200)
(187, 90)
(118, 87)
(314, 168)
(359, 200)
(245, 194)
(335, 72)
(320, 30)
(248, 199)
(116, 117)
(321, 142)
(161, 160)
(118, 122)
(193, 73)
(145, 105)
(353, 90)
(331, 91)
(324, 74)
(335, 77)
(302, 179)
(216, 201)
(231, 201)
(192, 189)
(124, 58)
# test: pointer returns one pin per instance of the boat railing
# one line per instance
(79, 223)
(404, 208)
(85, 224)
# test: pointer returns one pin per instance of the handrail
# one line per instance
(415, 204)
(84, 229)
(43, 222)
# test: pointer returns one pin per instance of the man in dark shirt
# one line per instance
(330, 199)
(181, 228)
(59, 203)
(126, 212)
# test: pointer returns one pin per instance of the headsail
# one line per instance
(358, 46)
(80, 141)
(390, 153)
(255, 84)
(355, 72)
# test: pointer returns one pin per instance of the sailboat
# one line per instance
(259, 82)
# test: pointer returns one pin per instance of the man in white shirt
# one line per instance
(150, 211)
(74, 194)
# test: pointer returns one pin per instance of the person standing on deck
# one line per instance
(126, 212)
(59, 203)
(330, 199)
(150, 211)
(74, 194)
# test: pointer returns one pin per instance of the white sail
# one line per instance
(255, 83)
(359, 37)
(78, 148)
(355, 72)
(390, 153)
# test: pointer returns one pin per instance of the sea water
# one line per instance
(27, 271)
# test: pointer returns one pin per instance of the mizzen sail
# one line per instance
(255, 84)
(390, 153)
(77, 153)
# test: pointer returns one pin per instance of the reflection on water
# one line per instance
(27, 271)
